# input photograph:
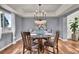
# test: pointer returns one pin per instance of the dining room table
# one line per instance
(46, 36)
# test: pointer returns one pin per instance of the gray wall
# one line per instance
(28, 23)
(18, 26)
(6, 39)
(53, 23)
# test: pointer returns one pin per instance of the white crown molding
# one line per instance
(66, 9)
(63, 8)
(61, 11)
(10, 9)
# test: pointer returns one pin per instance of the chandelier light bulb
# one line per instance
(39, 13)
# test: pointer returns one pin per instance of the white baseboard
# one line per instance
(10, 44)
(64, 39)
(6, 46)
(16, 40)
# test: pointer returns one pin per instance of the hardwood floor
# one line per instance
(69, 47)
(65, 47)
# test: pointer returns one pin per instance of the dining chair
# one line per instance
(27, 42)
(53, 44)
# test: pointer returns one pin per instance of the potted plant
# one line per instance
(74, 26)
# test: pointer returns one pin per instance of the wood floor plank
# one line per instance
(65, 47)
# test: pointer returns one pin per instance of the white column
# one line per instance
(13, 26)
(65, 28)
(0, 26)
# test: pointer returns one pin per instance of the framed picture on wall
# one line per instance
(5, 20)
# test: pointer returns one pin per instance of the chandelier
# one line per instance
(39, 13)
(40, 16)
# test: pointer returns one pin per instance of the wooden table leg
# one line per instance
(40, 45)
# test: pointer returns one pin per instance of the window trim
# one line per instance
(6, 29)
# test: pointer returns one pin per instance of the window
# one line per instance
(6, 19)
(70, 18)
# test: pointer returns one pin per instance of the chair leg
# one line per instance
(54, 50)
(38, 49)
(23, 50)
(42, 49)
(30, 51)
(46, 49)
(57, 51)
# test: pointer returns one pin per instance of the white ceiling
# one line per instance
(52, 10)
(26, 8)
